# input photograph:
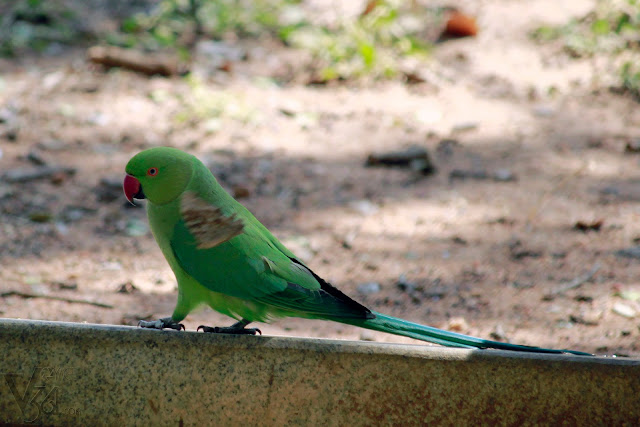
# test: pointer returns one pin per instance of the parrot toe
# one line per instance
(164, 323)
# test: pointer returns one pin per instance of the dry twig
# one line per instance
(578, 281)
(53, 297)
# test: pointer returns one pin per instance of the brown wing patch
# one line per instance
(207, 223)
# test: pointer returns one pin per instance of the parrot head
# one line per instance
(158, 174)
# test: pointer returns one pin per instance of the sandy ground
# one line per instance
(470, 255)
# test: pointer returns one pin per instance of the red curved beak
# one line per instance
(132, 189)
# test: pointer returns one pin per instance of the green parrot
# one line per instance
(224, 257)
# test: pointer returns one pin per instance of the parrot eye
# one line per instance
(152, 172)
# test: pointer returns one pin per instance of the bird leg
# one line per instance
(237, 328)
(164, 323)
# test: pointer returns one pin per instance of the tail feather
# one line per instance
(393, 325)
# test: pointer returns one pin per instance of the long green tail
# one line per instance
(393, 325)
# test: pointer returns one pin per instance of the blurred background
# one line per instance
(471, 165)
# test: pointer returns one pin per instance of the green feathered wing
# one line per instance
(251, 268)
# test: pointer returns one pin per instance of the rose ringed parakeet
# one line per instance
(224, 257)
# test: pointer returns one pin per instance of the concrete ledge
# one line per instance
(80, 374)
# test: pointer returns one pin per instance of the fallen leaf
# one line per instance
(460, 25)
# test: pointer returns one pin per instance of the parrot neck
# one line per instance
(163, 218)
(206, 186)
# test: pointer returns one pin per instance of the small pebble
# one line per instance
(62, 228)
(543, 111)
(404, 285)
(36, 158)
(564, 324)
(369, 288)
(464, 126)
(503, 175)
(136, 228)
(624, 310)
(367, 336)
(364, 207)
(498, 333)
(111, 266)
(632, 252)
(127, 288)
(457, 324)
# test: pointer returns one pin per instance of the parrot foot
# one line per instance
(164, 323)
(236, 329)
